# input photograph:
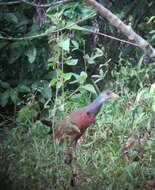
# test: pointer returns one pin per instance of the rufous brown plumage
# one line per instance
(76, 122)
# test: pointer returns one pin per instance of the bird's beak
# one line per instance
(115, 95)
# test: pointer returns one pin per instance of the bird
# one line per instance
(77, 121)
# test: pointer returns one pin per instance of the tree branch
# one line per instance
(45, 5)
(34, 4)
(111, 37)
(10, 3)
(149, 51)
(9, 38)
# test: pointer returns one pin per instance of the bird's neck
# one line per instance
(95, 106)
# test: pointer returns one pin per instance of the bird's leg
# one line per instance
(68, 157)
(74, 177)
(74, 139)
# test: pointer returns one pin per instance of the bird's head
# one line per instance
(106, 94)
(103, 97)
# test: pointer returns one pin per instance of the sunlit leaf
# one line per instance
(67, 76)
(89, 87)
(75, 44)
(140, 94)
(73, 26)
(98, 53)
(72, 61)
(65, 44)
(152, 89)
(153, 106)
(83, 75)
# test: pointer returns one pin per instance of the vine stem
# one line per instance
(34, 4)
(53, 123)
(61, 29)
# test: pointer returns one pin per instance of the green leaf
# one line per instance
(152, 19)
(75, 44)
(31, 53)
(89, 59)
(4, 98)
(79, 78)
(65, 44)
(141, 94)
(23, 88)
(73, 26)
(46, 92)
(17, 50)
(83, 75)
(3, 44)
(72, 61)
(89, 87)
(53, 82)
(24, 115)
(67, 76)
(153, 106)
(98, 53)
(14, 95)
(10, 17)
(152, 88)
(152, 32)
(4, 84)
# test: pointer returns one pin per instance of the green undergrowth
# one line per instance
(115, 153)
(52, 61)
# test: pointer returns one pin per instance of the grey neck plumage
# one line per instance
(96, 105)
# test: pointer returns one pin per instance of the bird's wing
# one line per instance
(70, 126)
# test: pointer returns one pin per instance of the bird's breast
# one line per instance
(82, 119)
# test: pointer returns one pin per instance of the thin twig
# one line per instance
(24, 38)
(149, 50)
(112, 37)
(45, 5)
(53, 123)
(61, 29)
(9, 38)
(66, 27)
(34, 4)
(10, 3)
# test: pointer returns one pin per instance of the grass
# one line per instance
(104, 159)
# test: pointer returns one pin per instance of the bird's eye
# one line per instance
(108, 93)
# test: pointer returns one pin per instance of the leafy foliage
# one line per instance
(54, 64)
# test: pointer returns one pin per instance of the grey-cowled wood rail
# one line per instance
(77, 121)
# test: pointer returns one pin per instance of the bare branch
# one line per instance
(45, 5)
(61, 29)
(10, 3)
(111, 37)
(34, 4)
(125, 29)
(9, 38)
